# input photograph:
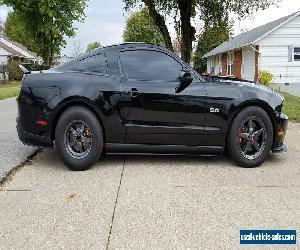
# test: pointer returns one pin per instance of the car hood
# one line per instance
(243, 92)
(257, 88)
(260, 87)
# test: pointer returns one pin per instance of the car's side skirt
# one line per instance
(144, 149)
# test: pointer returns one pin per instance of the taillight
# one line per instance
(41, 123)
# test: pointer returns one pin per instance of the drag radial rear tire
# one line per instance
(250, 137)
(78, 138)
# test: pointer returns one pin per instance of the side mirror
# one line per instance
(185, 79)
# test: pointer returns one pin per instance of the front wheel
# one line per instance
(250, 137)
(78, 138)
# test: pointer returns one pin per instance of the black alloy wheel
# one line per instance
(79, 138)
(250, 137)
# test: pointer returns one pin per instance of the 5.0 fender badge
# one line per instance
(214, 110)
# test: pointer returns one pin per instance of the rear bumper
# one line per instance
(33, 140)
(282, 121)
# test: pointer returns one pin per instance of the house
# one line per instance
(274, 47)
(11, 51)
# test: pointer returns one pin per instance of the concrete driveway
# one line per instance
(149, 202)
(12, 151)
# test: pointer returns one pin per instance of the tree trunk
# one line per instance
(46, 57)
(160, 23)
(187, 30)
(51, 59)
(45, 52)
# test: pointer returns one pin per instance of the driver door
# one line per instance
(151, 109)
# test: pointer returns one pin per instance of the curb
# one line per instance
(8, 176)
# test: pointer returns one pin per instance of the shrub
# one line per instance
(265, 77)
(14, 72)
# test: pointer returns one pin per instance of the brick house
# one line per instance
(274, 47)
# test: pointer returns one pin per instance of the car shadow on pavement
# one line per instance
(50, 158)
(179, 159)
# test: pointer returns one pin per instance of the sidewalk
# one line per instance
(12, 151)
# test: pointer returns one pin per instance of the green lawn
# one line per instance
(8, 90)
(291, 107)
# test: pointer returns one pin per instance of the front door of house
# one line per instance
(248, 65)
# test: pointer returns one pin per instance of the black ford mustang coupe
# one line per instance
(142, 99)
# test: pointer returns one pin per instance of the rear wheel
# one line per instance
(250, 137)
(78, 138)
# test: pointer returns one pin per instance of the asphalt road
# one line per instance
(12, 151)
(150, 202)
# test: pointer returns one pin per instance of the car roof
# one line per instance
(133, 44)
(117, 47)
(113, 48)
(128, 45)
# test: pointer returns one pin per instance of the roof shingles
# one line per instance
(250, 37)
(16, 49)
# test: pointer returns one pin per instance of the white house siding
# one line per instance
(4, 55)
(248, 64)
(3, 59)
(274, 53)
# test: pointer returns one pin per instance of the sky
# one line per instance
(105, 22)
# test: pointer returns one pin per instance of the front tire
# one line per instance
(78, 138)
(250, 137)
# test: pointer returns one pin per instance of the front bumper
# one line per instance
(281, 126)
(33, 140)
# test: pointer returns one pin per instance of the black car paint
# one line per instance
(141, 117)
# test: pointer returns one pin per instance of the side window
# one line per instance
(147, 65)
(96, 64)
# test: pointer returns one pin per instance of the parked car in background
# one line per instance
(137, 98)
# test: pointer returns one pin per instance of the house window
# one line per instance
(212, 66)
(297, 54)
(230, 64)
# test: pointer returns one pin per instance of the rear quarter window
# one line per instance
(94, 64)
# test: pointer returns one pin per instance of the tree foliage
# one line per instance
(216, 30)
(185, 11)
(210, 38)
(16, 28)
(141, 28)
(49, 21)
(92, 46)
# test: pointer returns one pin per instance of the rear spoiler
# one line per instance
(24, 70)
